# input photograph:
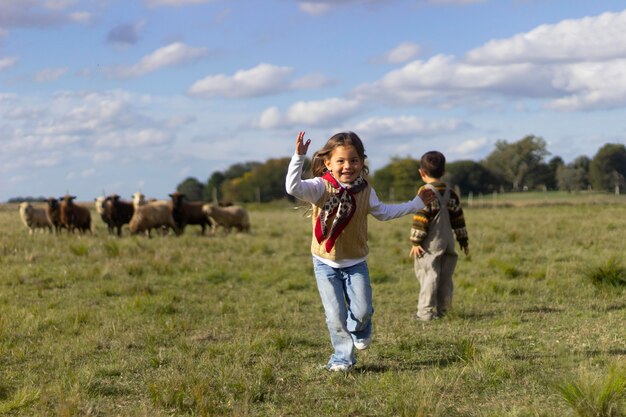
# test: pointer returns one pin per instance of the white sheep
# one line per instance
(227, 217)
(102, 209)
(152, 215)
(34, 218)
(138, 199)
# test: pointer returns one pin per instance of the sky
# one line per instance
(117, 96)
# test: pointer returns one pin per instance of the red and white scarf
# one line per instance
(341, 204)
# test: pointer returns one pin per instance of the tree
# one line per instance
(216, 180)
(575, 175)
(239, 169)
(406, 178)
(470, 176)
(192, 188)
(263, 183)
(570, 178)
(399, 180)
(382, 181)
(608, 167)
(214, 187)
(518, 163)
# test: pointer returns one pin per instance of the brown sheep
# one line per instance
(120, 212)
(227, 217)
(73, 216)
(34, 218)
(152, 215)
(188, 212)
(53, 213)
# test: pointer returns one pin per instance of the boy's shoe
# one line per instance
(339, 367)
(362, 344)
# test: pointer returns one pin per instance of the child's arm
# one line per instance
(307, 190)
(419, 228)
(457, 221)
(382, 211)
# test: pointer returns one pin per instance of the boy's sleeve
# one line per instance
(457, 219)
(421, 221)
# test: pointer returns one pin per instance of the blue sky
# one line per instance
(109, 96)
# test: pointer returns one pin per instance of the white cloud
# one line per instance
(309, 82)
(407, 126)
(403, 53)
(262, 80)
(591, 86)
(470, 146)
(35, 13)
(171, 55)
(574, 65)
(103, 156)
(77, 124)
(598, 38)
(319, 7)
(50, 74)
(7, 62)
(89, 172)
(80, 17)
(48, 161)
(315, 8)
(144, 138)
(322, 113)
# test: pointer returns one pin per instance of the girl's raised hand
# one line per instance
(301, 146)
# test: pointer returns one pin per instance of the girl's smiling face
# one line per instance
(345, 164)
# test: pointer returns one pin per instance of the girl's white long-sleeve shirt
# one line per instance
(311, 190)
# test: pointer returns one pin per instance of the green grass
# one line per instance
(588, 396)
(232, 325)
(610, 273)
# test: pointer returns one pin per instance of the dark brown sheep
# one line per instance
(188, 212)
(120, 212)
(53, 213)
(73, 216)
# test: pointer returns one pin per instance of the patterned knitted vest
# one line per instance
(352, 243)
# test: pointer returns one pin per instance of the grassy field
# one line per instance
(233, 326)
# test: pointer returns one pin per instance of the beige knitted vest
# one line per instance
(352, 243)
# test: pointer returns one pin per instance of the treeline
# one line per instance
(510, 167)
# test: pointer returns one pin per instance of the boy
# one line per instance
(433, 240)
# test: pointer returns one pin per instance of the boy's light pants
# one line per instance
(434, 273)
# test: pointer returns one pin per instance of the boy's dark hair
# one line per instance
(433, 163)
(339, 139)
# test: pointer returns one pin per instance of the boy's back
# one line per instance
(433, 233)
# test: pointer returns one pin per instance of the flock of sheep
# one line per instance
(140, 215)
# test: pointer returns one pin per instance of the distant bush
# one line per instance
(28, 199)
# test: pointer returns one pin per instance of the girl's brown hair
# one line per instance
(339, 139)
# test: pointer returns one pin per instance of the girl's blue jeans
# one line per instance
(346, 295)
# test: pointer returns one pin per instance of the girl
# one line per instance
(341, 199)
